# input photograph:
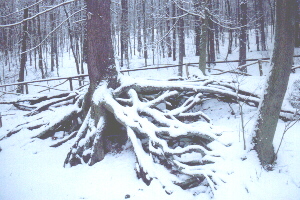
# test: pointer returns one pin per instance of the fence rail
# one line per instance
(27, 83)
(79, 77)
(212, 62)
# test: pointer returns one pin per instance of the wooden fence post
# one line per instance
(71, 85)
(260, 67)
(0, 120)
(26, 88)
(187, 70)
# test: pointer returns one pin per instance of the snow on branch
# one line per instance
(49, 34)
(36, 15)
(36, 3)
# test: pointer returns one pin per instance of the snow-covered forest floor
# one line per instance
(31, 170)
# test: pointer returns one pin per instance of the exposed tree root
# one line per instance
(48, 126)
(157, 135)
(69, 137)
(163, 120)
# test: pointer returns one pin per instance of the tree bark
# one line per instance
(102, 73)
(243, 33)
(124, 31)
(168, 23)
(139, 28)
(72, 41)
(23, 54)
(174, 31)
(53, 40)
(203, 44)
(297, 30)
(145, 33)
(261, 22)
(211, 37)
(197, 27)
(101, 64)
(181, 50)
(277, 81)
(228, 11)
(40, 56)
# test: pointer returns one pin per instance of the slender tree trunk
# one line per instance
(145, 33)
(243, 33)
(272, 15)
(261, 22)
(230, 34)
(203, 44)
(197, 27)
(124, 31)
(217, 30)
(23, 54)
(72, 41)
(168, 23)
(276, 85)
(211, 37)
(174, 30)
(53, 39)
(40, 56)
(152, 31)
(180, 40)
(139, 28)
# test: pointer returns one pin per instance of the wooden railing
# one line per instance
(81, 77)
(258, 61)
(187, 65)
(26, 84)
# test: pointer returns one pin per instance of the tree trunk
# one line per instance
(168, 23)
(203, 44)
(23, 54)
(181, 50)
(40, 56)
(124, 31)
(228, 11)
(297, 30)
(101, 68)
(53, 40)
(277, 81)
(197, 27)
(145, 33)
(261, 21)
(152, 31)
(139, 27)
(174, 30)
(211, 37)
(72, 41)
(243, 33)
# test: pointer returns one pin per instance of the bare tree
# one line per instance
(243, 33)
(181, 50)
(23, 54)
(276, 85)
(124, 31)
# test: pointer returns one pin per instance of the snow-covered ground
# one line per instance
(31, 170)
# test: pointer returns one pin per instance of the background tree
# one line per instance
(243, 33)
(23, 53)
(124, 31)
